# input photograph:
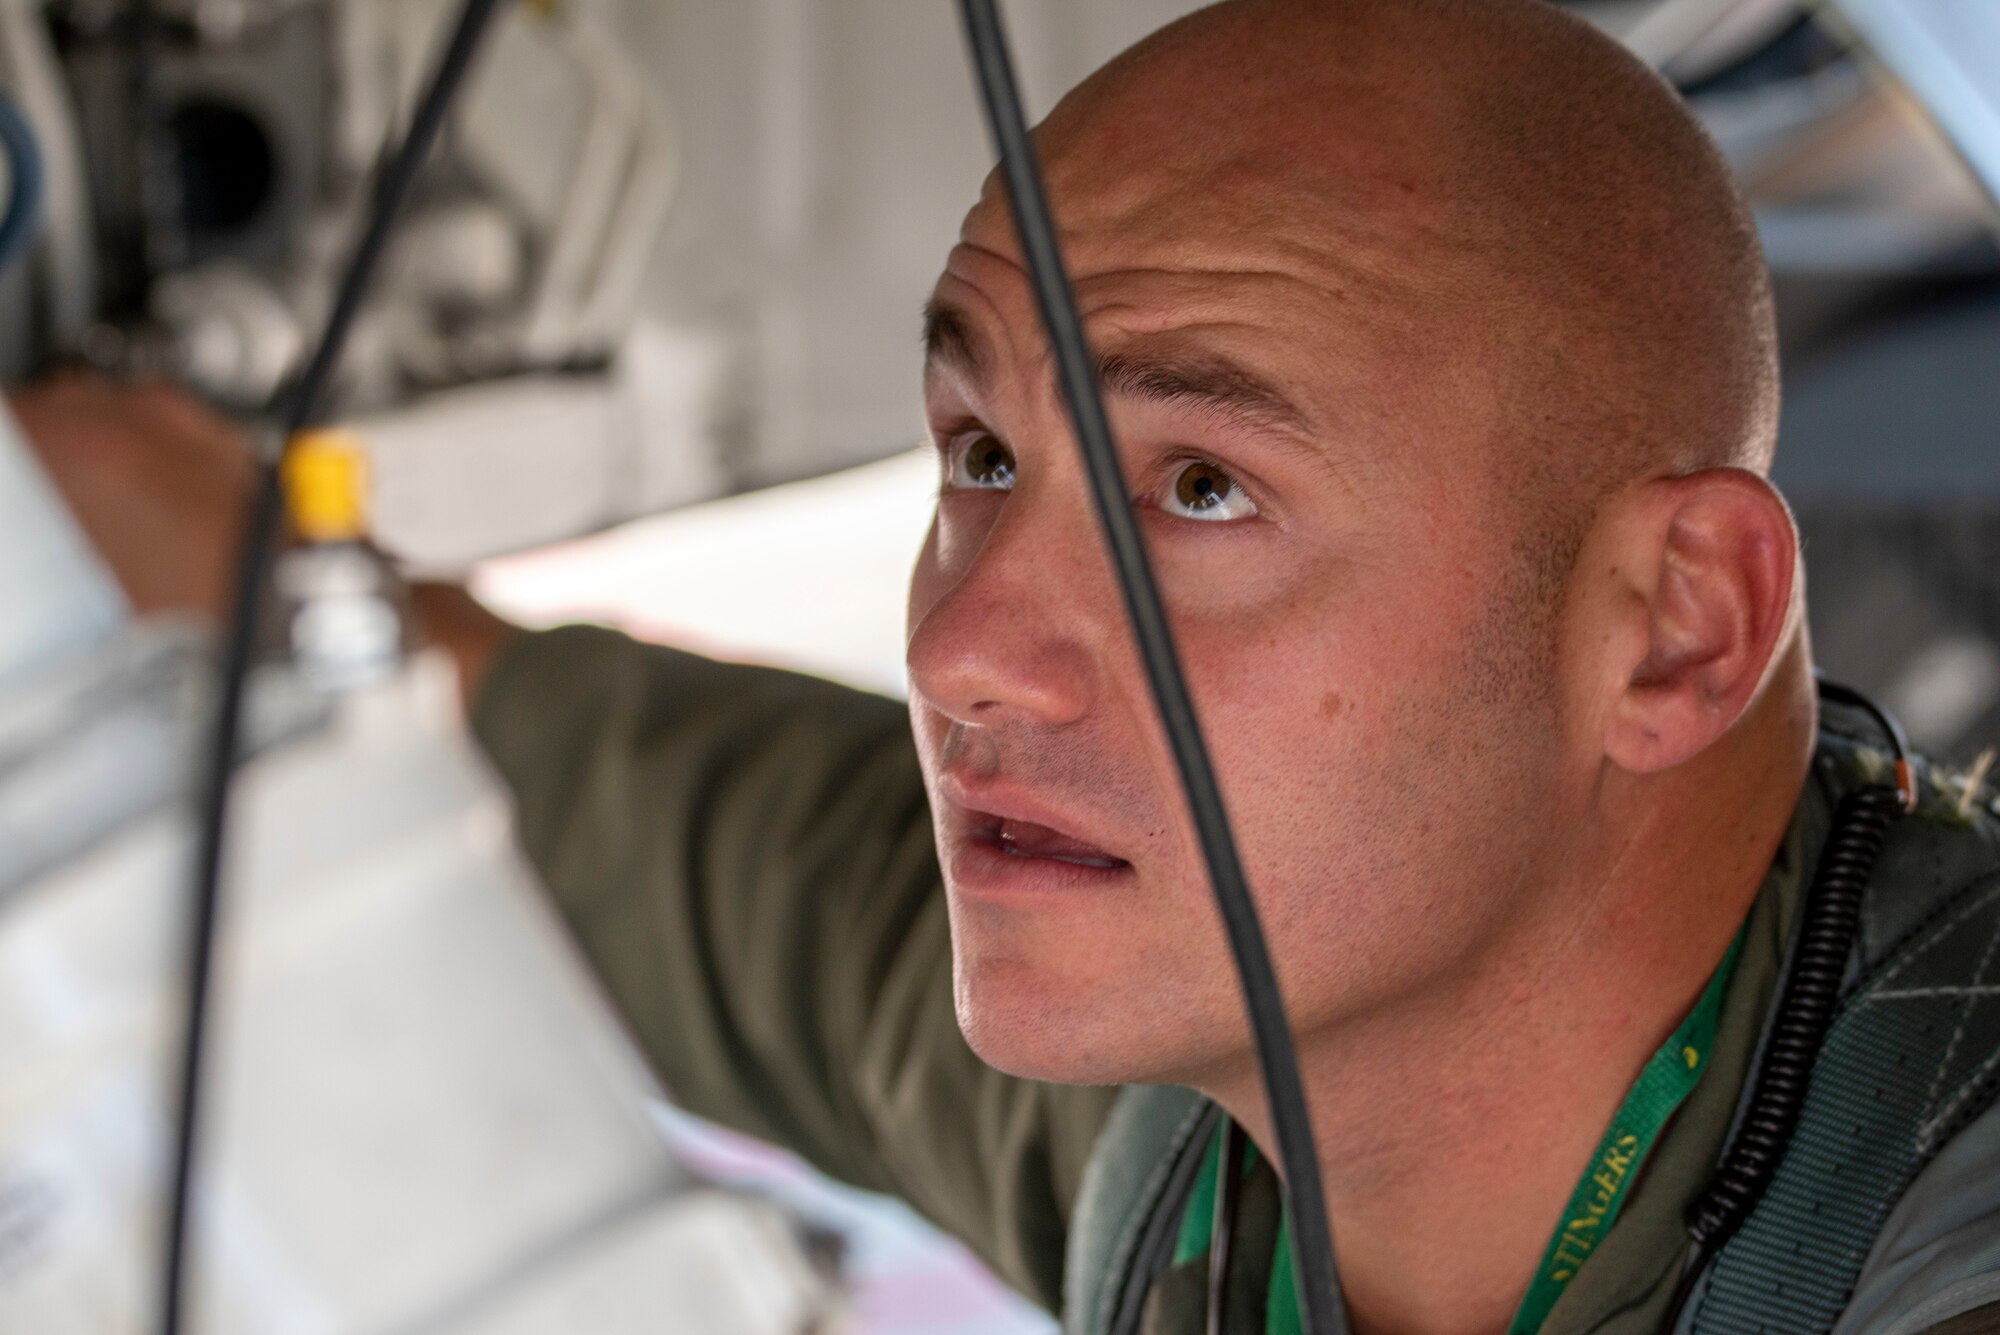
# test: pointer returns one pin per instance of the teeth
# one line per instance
(1103, 864)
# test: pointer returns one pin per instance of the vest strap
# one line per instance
(1129, 1205)
(1912, 1058)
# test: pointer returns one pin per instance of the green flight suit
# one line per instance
(745, 857)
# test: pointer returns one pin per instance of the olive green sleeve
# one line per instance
(745, 857)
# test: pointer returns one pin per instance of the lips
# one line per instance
(1008, 837)
(1025, 839)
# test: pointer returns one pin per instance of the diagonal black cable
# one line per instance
(257, 542)
(1297, 1155)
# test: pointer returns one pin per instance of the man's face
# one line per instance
(1309, 433)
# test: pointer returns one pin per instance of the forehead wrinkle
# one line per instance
(1166, 373)
(1358, 275)
(1302, 348)
(1370, 259)
(1185, 336)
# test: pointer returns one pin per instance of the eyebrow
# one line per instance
(1202, 381)
(949, 338)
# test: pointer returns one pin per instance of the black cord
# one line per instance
(1297, 1154)
(1806, 1004)
(253, 558)
(1899, 741)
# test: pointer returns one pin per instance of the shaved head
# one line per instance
(1438, 348)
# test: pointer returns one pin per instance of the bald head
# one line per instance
(1438, 349)
(1491, 167)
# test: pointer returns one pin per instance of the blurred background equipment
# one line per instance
(426, 1120)
(215, 152)
(674, 252)
(664, 256)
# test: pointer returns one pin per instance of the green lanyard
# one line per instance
(1281, 1301)
(1663, 1085)
(1667, 1080)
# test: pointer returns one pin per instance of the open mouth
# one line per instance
(1025, 839)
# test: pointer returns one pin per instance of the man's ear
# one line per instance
(1712, 560)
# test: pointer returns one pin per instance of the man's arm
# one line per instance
(156, 481)
(746, 857)
(450, 619)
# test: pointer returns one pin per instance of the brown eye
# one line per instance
(1203, 491)
(983, 463)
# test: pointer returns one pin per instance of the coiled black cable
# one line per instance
(1826, 939)
(1806, 1004)
(257, 543)
(1298, 1155)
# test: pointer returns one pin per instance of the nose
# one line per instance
(1006, 620)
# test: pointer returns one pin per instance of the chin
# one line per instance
(1043, 1023)
(1036, 1040)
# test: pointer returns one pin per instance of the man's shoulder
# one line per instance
(1882, 1203)
(1937, 1257)
(1903, 1092)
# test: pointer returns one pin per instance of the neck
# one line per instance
(1452, 1133)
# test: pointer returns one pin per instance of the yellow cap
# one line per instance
(326, 485)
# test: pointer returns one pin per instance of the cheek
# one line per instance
(1341, 719)
(1239, 581)
(1286, 665)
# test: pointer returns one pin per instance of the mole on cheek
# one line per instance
(1330, 707)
